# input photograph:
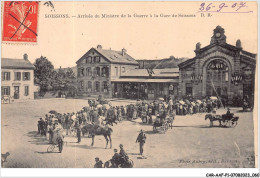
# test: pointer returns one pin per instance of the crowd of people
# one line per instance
(102, 113)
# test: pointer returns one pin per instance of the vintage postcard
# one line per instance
(129, 84)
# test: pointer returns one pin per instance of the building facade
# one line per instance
(147, 83)
(17, 78)
(219, 69)
(98, 67)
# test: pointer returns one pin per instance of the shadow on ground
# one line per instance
(37, 139)
(84, 146)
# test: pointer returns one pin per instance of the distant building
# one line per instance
(18, 78)
(219, 69)
(99, 67)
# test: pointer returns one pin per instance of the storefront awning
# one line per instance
(138, 80)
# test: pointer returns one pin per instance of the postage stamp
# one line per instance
(20, 21)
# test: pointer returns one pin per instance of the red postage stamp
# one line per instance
(20, 21)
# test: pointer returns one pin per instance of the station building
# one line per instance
(218, 69)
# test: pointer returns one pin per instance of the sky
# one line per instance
(64, 40)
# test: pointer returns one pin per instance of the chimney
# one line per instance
(123, 51)
(238, 44)
(25, 56)
(99, 47)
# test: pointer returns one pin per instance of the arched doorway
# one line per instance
(217, 81)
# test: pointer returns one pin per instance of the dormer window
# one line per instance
(89, 59)
(97, 58)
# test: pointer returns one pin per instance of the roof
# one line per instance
(16, 64)
(139, 80)
(113, 56)
(167, 72)
(170, 62)
(224, 45)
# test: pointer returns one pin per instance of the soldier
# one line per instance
(141, 139)
(78, 132)
(98, 163)
(41, 124)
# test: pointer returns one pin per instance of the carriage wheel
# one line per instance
(232, 124)
(224, 122)
(50, 148)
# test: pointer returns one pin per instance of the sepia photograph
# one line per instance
(129, 84)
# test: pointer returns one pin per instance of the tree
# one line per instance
(64, 82)
(70, 82)
(43, 74)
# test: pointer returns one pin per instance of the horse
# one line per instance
(110, 120)
(170, 120)
(94, 130)
(212, 118)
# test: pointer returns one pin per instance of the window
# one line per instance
(104, 72)
(26, 90)
(81, 84)
(226, 76)
(98, 71)
(123, 69)
(89, 86)
(89, 59)
(116, 70)
(5, 75)
(26, 75)
(89, 73)
(97, 59)
(105, 86)
(188, 89)
(97, 86)
(5, 90)
(17, 76)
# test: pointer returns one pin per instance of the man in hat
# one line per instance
(98, 163)
(115, 159)
(228, 114)
(41, 126)
(141, 139)
(122, 154)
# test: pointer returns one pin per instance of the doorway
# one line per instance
(16, 92)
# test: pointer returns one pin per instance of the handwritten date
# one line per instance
(234, 7)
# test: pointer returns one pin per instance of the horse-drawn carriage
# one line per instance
(225, 120)
(163, 123)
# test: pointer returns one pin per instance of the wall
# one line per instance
(120, 67)
(11, 83)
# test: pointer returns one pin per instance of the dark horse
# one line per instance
(94, 130)
(212, 118)
(111, 118)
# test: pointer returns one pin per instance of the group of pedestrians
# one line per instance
(121, 159)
